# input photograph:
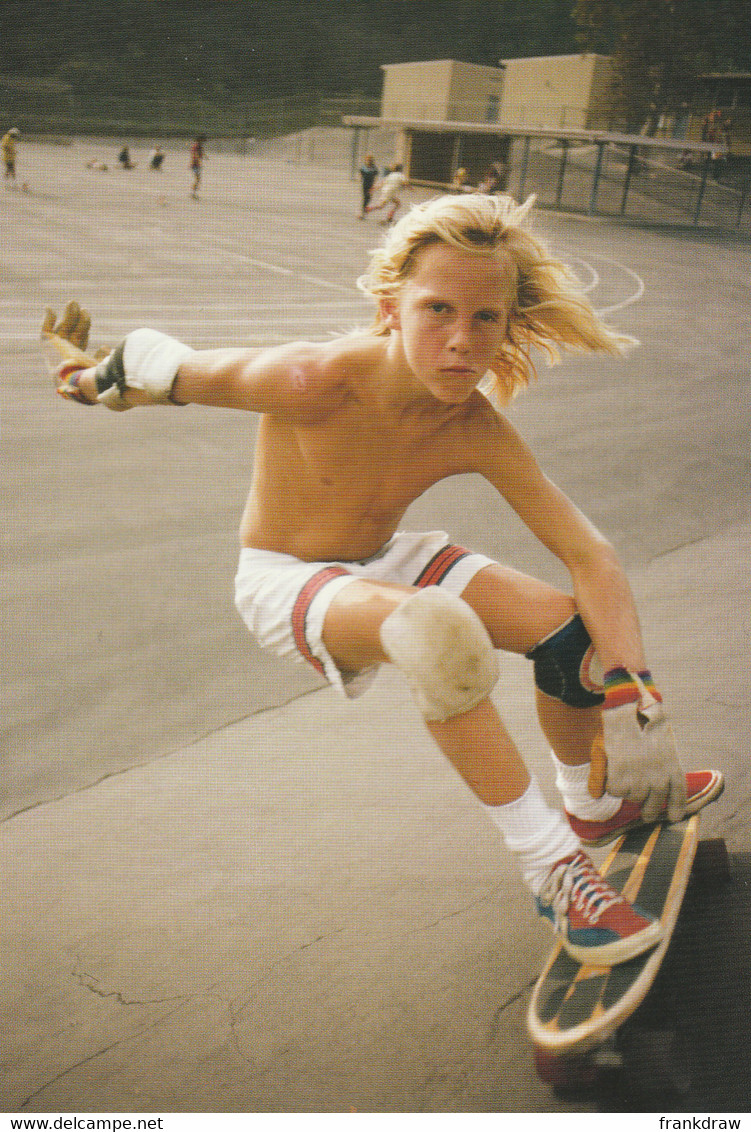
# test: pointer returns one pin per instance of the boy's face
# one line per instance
(452, 317)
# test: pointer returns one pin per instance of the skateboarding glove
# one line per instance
(147, 361)
(634, 756)
(64, 346)
(141, 370)
(65, 349)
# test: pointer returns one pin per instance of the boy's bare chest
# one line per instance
(338, 488)
(374, 458)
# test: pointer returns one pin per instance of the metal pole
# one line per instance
(509, 159)
(456, 155)
(742, 204)
(561, 174)
(627, 178)
(596, 176)
(525, 164)
(702, 188)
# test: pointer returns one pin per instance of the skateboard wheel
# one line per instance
(566, 1072)
(712, 862)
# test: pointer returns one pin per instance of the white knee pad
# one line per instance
(443, 649)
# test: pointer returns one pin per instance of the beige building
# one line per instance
(443, 90)
(572, 92)
(548, 92)
(566, 92)
(540, 125)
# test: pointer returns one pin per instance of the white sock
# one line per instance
(536, 834)
(572, 783)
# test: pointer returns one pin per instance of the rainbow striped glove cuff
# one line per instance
(624, 687)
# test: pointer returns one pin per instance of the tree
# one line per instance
(660, 46)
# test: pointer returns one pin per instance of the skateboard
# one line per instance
(577, 1009)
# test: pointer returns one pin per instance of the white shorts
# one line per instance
(390, 193)
(284, 600)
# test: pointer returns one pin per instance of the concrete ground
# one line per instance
(225, 889)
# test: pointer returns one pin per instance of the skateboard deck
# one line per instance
(576, 1007)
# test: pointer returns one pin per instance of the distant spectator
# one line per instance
(495, 179)
(9, 148)
(123, 158)
(460, 183)
(156, 158)
(388, 195)
(197, 158)
(716, 129)
(368, 177)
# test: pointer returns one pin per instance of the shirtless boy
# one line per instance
(352, 431)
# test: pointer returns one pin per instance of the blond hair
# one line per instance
(547, 305)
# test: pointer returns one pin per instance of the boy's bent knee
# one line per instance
(444, 650)
(566, 665)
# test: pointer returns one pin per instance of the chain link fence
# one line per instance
(645, 185)
(664, 183)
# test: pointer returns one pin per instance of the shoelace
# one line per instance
(578, 882)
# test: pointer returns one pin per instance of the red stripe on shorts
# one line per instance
(301, 607)
(439, 566)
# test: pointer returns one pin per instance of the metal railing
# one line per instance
(661, 181)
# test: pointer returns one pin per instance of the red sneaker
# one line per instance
(594, 922)
(702, 787)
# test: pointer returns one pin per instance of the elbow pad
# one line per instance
(147, 360)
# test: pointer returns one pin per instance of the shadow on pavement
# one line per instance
(688, 1048)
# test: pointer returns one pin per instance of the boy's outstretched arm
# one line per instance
(151, 368)
(642, 762)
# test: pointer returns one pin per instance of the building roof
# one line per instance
(591, 137)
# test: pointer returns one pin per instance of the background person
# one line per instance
(9, 147)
